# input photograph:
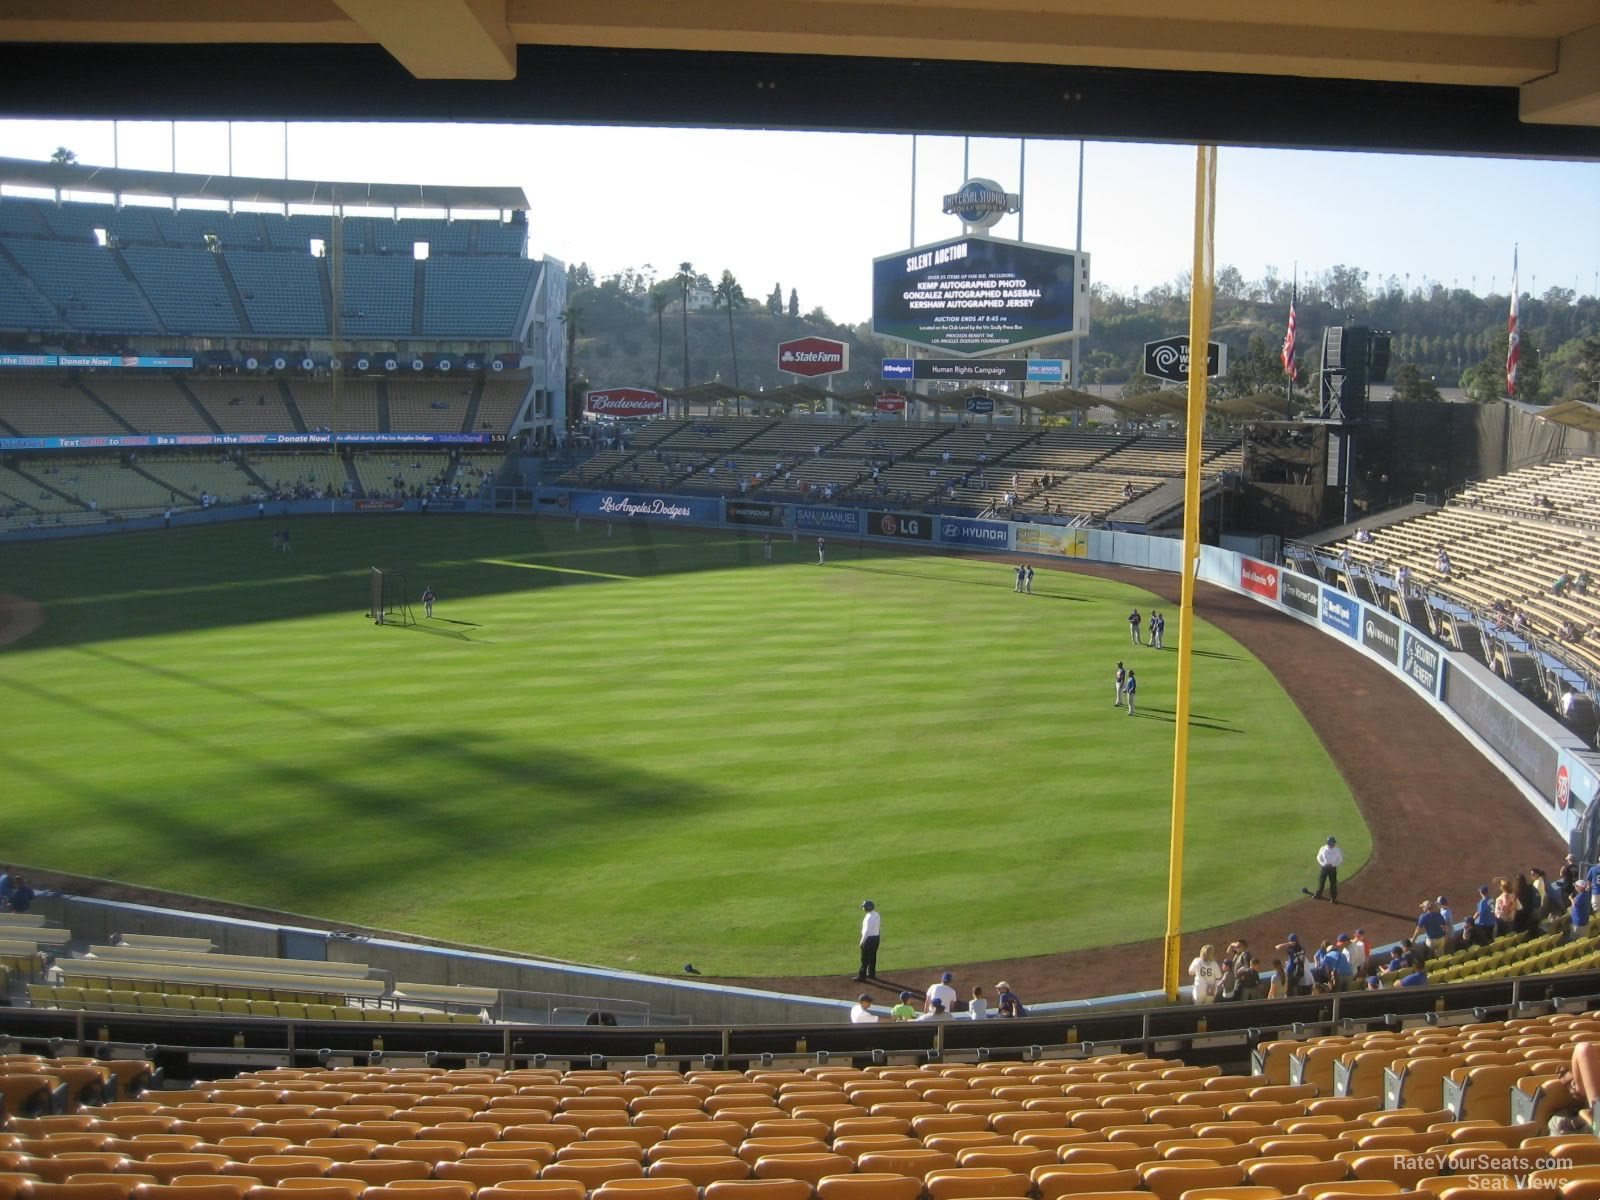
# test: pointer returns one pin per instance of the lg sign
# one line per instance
(625, 402)
(812, 356)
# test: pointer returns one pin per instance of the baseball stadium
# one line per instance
(426, 773)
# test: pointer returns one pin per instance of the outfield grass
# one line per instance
(643, 750)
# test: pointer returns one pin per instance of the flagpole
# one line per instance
(1288, 370)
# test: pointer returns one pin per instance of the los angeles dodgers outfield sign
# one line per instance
(625, 402)
(813, 356)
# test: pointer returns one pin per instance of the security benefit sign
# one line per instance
(975, 295)
(914, 526)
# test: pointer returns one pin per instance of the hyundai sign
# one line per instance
(976, 295)
(812, 356)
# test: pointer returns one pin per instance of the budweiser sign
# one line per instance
(625, 402)
(812, 356)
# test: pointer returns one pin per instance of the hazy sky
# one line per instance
(811, 210)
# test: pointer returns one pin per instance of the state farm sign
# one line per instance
(625, 402)
(811, 356)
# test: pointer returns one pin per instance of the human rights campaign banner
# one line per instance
(814, 519)
(630, 506)
(986, 535)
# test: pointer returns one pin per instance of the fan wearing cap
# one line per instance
(871, 934)
(905, 1010)
(862, 1013)
(1582, 907)
(941, 992)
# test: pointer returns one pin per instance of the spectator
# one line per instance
(1582, 909)
(862, 1013)
(1530, 904)
(1010, 1004)
(941, 993)
(1442, 566)
(1433, 931)
(1207, 975)
(1505, 907)
(1418, 977)
(905, 1010)
(1483, 919)
(977, 1007)
(936, 1012)
(21, 896)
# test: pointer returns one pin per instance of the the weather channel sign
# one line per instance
(976, 295)
(1340, 611)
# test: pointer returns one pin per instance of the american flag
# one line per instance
(1513, 335)
(1288, 345)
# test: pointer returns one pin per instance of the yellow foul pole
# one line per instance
(1200, 292)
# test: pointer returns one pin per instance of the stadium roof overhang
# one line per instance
(85, 177)
(1514, 77)
(1060, 400)
(1579, 414)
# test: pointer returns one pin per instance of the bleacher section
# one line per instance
(402, 472)
(1505, 550)
(429, 407)
(148, 405)
(166, 271)
(499, 405)
(46, 407)
(303, 474)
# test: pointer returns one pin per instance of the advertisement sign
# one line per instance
(1015, 370)
(1529, 754)
(1340, 611)
(1055, 540)
(135, 441)
(752, 512)
(975, 295)
(1300, 593)
(1576, 785)
(986, 535)
(889, 402)
(827, 520)
(1168, 358)
(980, 405)
(1420, 659)
(914, 526)
(147, 362)
(1380, 635)
(981, 203)
(1258, 578)
(625, 402)
(813, 356)
(622, 506)
(379, 505)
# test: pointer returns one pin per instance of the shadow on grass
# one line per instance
(1196, 720)
(305, 865)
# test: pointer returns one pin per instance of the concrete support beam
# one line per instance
(441, 39)
(1571, 96)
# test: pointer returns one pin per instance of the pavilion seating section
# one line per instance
(85, 285)
(169, 1002)
(399, 471)
(1502, 549)
(152, 270)
(30, 498)
(1155, 455)
(319, 471)
(186, 288)
(112, 487)
(147, 405)
(47, 407)
(427, 407)
(243, 405)
(1407, 1111)
(358, 404)
(498, 406)
(201, 472)
(476, 297)
(282, 293)
(1088, 493)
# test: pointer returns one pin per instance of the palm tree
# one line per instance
(659, 300)
(685, 278)
(572, 318)
(731, 295)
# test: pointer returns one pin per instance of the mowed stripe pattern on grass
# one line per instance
(643, 749)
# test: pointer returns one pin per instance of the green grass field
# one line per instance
(643, 750)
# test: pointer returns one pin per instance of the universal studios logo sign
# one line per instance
(980, 203)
